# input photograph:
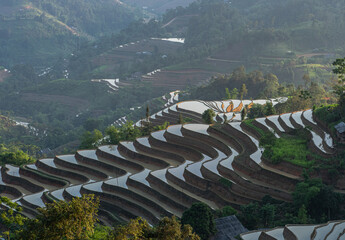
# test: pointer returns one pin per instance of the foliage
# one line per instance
(269, 109)
(244, 113)
(89, 140)
(319, 200)
(14, 156)
(200, 217)
(167, 229)
(249, 123)
(52, 28)
(63, 220)
(114, 135)
(339, 88)
(226, 211)
(313, 202)
(208, 116)
(243, 91)
(291, 148)
(10, 216)
(256, 111)
(225, 182)
(135, 229)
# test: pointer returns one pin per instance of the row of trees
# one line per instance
(78, 219)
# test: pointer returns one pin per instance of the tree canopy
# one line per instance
(200, 217)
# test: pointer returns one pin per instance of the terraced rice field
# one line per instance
(328, 231)
(169, 99)
(164, 173)
(226, 111)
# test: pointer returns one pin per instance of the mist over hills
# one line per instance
(38, 31)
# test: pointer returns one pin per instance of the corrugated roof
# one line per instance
(340, 127)
(228, 228)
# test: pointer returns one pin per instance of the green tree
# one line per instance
(243, 113)
(91, 139)
(226, 211)
(92, 124)
(267, 214)
(227, 94)
(269, 109)
(256, 111)
(208, 116)
(319, 199)
(302, 215)
(339, 88)
(249, 216)
(171, 229)
(147, 113)
(200, 217)
(243, 91)
(63, 220)
(167, 229)
(10, 218)
(13, 155)
(234, 93)
(136, 229)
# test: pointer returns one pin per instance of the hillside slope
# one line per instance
(158, 7)
(39, 30)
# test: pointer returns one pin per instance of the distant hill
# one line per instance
(158, 7)
(38, 31)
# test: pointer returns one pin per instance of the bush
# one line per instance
(200, 217)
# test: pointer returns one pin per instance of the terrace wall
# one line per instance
(187, 153)
(229, 174)
(137, 197)
(192, 143)
(161, 197)
(120, 161)
(19, 181)
(284, 126)
(141, 157)
(10, 191)
(207, 194)
(229, 140)
(269, 178)
(129, 206)
(207, 139)
(99, 164)
(81, 168)
(40, 178)
(159, 153)
(61, 172)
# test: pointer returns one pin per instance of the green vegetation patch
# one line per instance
(292, 148)
(330, 115)
(249, 123)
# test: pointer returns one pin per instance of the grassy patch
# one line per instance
(292, 148)
(227, 183)
(249, 123)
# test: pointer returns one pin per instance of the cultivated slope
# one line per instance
(164, 173)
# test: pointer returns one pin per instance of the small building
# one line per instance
(340, 131)
(228, 228)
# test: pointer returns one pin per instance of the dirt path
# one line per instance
(224, 60)
(173, 20)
